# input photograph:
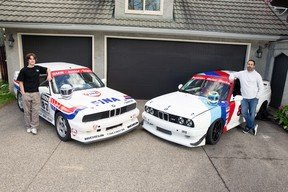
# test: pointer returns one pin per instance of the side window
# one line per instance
(44, 85)
(43, 81)
(236, 89)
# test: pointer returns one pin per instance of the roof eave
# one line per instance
(143, 30)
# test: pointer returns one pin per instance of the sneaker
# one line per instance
(28, 130)
(246, 130)
(34, 131)
(255, 129)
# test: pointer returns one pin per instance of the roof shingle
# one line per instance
(232, 16)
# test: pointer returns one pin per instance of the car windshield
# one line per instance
(202, 87)
(79, 81)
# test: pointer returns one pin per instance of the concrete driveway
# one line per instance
(139, 161)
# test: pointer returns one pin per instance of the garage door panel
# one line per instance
(146, 68)
(69, 49)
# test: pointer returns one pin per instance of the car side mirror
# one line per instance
(237, 98)
(180, 86)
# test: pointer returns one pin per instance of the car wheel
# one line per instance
(214, 132)
(62, 127)
(20, 101)
(262, 113)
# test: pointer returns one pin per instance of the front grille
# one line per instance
(167, 117)
(110, 113)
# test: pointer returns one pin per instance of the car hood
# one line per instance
(100, 99)
(181, 104)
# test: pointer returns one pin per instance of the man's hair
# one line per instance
(252, 61)
(27, 57)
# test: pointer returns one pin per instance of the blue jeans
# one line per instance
(248, 110)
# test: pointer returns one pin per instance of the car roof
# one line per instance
(218, 75)
(56, 66)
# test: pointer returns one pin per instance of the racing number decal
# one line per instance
(45, 102)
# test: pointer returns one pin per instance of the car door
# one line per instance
(44, 98)
(234, 115)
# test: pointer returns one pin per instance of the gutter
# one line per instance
(143, 30)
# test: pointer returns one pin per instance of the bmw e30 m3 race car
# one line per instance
(205, 107)
(80, 106)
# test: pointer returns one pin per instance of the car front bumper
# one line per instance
(187, 136)
(104, 128)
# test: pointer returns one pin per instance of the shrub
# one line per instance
(5, 95)
(282, 116)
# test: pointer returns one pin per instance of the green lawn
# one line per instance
(5, 95)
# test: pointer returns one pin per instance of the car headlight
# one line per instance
(181, 120)
(189, 123)
(147, 109)
(151, 111)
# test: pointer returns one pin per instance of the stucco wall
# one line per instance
(99, 50)
(275, 49)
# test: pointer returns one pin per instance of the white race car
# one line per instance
(200, 111)
(80, 106)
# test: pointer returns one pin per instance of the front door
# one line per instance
(279, 76)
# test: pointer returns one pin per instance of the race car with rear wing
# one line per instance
(80, 106)
(200, 111)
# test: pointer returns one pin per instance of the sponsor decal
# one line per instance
(92, 93)
(45, 102)
(69, 113)
(74, 132)
(105, 101)
(93, 137)
(127, 99)
(117, 131)
(64, 72)
(165, 109)
(211, 78)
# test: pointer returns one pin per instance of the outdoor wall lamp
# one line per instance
(259, 52)
(11, 40)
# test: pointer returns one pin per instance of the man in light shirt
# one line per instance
(251, 88)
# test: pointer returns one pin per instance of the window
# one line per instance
(144, 6)
(201, 87)
(43, 80)
(79, 81)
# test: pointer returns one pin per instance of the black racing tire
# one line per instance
(263, 113)
(20, 101)
(62, 127)
(214, 132)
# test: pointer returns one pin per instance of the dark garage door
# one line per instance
(148, 68)
(69, 49)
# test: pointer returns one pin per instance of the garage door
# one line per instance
(147, 68)
(69, 49)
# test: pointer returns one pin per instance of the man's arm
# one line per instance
(21, 87)
(260, 86)
(49, 77)
(233, 76)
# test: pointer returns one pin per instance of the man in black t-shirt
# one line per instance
(29, 83)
